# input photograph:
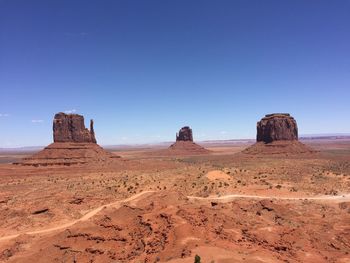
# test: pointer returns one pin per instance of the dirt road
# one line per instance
(86, 217)
(117, 204)
(334, 198)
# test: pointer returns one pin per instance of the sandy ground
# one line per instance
(224, 206)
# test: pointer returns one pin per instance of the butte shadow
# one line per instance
(277, 133)
(73, 144)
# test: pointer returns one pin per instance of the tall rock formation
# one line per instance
(73, 145)
(185, 134)
(184, 144)
(277, 133)
(277, 127)
(71, 128)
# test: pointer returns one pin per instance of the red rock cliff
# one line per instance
(71, 128)
(185, 134)
(277, 127)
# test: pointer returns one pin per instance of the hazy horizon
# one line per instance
(143, 70)
(302, 136)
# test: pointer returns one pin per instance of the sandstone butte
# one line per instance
(185, 134)
(277, 133)
(73, 144)
(184, 144)
(71, 128)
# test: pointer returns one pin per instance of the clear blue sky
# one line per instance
(143, 69)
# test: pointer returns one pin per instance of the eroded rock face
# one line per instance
(185, 134)
(71, 128)
(277, 127)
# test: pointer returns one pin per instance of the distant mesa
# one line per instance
(73, 144)
(184, 144)
(71, 128)
(185, 134)
(277, 133)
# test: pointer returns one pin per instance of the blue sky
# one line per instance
(143, 69)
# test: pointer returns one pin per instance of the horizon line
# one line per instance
(302, 136)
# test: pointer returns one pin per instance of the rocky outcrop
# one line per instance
(71, 128)
(185, 134)
(277, 127)
(184, 144)
(73, 145)
(277, 134)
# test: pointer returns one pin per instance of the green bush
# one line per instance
(197, 259)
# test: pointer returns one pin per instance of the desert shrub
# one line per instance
(197, 259)
(339, 167)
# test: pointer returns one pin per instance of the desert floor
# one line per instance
(225, 207)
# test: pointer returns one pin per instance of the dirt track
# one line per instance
(117, 204)
(83, 218)
(335, 198)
